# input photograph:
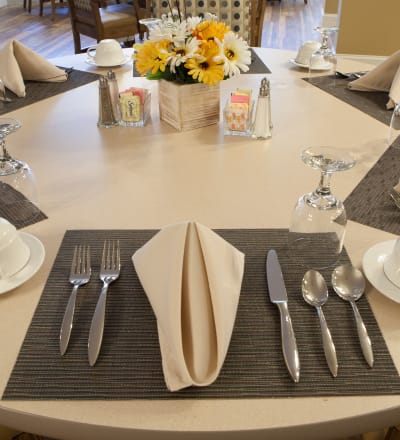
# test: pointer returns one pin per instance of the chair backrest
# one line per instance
(235, 13)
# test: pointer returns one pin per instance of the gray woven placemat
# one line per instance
(36, 91)
(129, 364)
(371, 103)
(256, 66)
(369, 203)
(17, 209)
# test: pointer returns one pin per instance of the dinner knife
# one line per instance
(278, 295)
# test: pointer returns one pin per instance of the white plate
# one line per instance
(373, 268)
(305, 66)
(32, 266)
(92, 62)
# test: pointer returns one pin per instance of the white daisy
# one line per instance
(235, 53)
(183, 52)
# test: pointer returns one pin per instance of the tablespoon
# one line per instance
(349, 283)
(315, 293)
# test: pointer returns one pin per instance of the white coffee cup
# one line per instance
(391, 264)
(106, 53)
(14, 252)
(305, 52)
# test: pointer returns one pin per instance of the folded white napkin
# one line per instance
(18, 63)
(192, 278)
(385, 77)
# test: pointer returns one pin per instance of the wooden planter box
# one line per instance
(188, 106)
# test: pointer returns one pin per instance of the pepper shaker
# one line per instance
(106, 114)
(114, 93)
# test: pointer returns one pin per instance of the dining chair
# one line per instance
(101, 19)
(54, 6)
(244, 17)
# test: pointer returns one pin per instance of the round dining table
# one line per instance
(148, 177)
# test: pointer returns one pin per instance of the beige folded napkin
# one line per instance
(18, 63)
(385, 77)
(192, 278)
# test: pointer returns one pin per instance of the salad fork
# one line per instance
(395, 196)
(109, 272)
(79, 275)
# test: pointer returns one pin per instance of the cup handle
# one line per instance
(89, 52)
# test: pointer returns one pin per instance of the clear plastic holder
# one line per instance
(238, 121)
(133, 112)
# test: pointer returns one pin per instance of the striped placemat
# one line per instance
(36, 91)
(129, 364)
(17, 209)
(371, 103)
(369, 203)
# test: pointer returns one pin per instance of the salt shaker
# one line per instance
(262, 123)
(114, 93)
(106, 113)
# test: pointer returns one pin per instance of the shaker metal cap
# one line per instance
(264, 88)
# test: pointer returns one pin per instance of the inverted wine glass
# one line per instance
(150, 23)
(17, 183)
(394, 128)
(318, 221)
(324, 58)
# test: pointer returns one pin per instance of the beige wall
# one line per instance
(369, 27)
(331, 6)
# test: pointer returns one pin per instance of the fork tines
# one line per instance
(111, 255)
(80, 260)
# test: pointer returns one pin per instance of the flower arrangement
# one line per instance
(192, 50)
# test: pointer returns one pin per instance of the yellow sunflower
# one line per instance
(150, 57)
(208, 30)
(204, 68)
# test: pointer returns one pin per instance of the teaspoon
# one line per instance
(315, 293)
(349, 283)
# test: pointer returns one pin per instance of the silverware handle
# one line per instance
(327, 342)
(289, 346)
(97, 327)
(66, 325)
(365, 341)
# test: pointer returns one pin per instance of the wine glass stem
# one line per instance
(5, 155)
(324, 186)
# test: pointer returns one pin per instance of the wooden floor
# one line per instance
(287, 24)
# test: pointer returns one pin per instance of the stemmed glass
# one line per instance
(318, 222)
(150, 23)
(17, 183)
(394, 129)
(324, 58)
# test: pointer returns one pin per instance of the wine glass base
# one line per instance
(314, 251)
(10, 166)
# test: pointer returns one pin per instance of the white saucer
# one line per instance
(32, 266)
(92, 62)
(306, 66)
(373, 268)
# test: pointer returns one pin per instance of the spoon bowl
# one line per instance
(314, 289)
(348, 282)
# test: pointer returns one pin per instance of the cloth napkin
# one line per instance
(192, 278)
(18, 63)
(385, 78)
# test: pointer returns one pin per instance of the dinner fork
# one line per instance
(109, 272)
(395, 196)
(79, 275)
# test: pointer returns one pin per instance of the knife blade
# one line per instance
(278, 296)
